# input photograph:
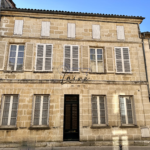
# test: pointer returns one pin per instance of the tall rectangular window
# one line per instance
(96, 31)
(127, 110)
(71, 30)
(18, 27)
(9, 110)
(99, 110)
(96, 60)
(45, 29)
(40, 110)
(16, 57)
(120, 33)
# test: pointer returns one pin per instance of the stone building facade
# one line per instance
(72, 77)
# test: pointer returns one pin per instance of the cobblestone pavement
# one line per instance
(82, 148)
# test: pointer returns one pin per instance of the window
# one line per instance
(149, 43)
(96, 60)
(9, 110)
(16, 57)
(120, 33)
(99, 111)
(127, 110)
(71, 30)
(96, 31)
(45, 29)
(71, 58)
(40, 114)
(18, 27)
(122, 60)
(44, 57)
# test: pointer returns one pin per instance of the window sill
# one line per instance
(13, 71)
(123, 73)
(128, 126)
(39, 128)
(42, 71)
(77, 72)
(100, 126)
(96, 72)
(8, 128)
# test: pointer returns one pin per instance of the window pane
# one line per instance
(92, 57)
(20, 61)
(99, 51)
(19, 67)
(99, 57)
(12, 54)
(20, 54)
(12, 60)
(21, 48)
(102, 120)
(13, 121)
(92, 51)
(13, 48)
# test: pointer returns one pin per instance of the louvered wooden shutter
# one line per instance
(85, 59)
(96, 31)
(126, 60)
(29, 51)
(45, 29)
(48, 58)
(109, 59)
(75, 58)
(129, 110)
(122, 110)
(71, 30)
(18, 27)
(119, 60)
(33, 109)
(133, 111)
(67, 58)
(45, 110)
(120, 32)
(39, 57)
(14, 110)
(2, 54)
(94, 110)
(102, 110)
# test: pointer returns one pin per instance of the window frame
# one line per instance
(93, 32)
(15, 27)
(96, 60)
(68, 30)
(16, 58)
(123, 32)
(43, 58)
(71, 64)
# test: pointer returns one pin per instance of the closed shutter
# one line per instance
(18, 27)
(102, 110)
(126, 60)
(2, 54)
(14, 110)
(120, 32)
(48, 58)
(122, 110)
(96, 31)
(67, 58)
(45, 110)
(119, 65)
(75, 58)
(109, 59)
(94, 110)
(71, 30)
(85, 59)
(28, 64)
(39, 57)
(133, 112)
(45, 29)
(129, 110)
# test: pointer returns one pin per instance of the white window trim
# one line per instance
(122, 61)
(97, 60)
(44, 58)
(70, 59)
(16, 58)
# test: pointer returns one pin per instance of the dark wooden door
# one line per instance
(71, 118)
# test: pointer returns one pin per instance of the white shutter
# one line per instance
(119, 63)
(129, 110)
(75, 58)
(48, 58)
(85, 59)
(29, 51)
(133, 111)
(2, 54)
(18, 27)
(94, 110)
(71, 30)
(120, 32)
(109, 59)
(126, 60)
(67, 58)
(45, 29)
(39, 57)
(96, 31)
(122, 110)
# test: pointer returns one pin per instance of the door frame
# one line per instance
(64, 114)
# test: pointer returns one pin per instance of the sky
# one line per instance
(119, 7)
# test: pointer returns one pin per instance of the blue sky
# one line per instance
(120, 7)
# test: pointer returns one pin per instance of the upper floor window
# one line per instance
(44, 57)
(149, 43)
(120, 33)
(71, 30)
(16, 57)
(9, 110)
(122, 60)
(127, 110)
(18, 27)
(45, 29)
(96, 60)
(96, 31)
(99, 110)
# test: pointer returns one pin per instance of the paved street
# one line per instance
(82, 148)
